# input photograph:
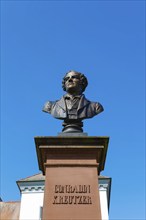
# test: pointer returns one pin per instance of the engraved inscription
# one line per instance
(68, 194)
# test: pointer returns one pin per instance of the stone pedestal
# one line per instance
(71, 166)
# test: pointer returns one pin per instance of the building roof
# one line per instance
(41, 177)
(36, 177)
(9, 210)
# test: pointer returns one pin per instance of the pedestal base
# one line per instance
(71, 166)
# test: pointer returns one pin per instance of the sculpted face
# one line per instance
(72, 83)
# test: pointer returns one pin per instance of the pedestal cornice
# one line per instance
(72, 146)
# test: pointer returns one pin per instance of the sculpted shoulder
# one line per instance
(98, 108)
(91, 109)
(48, 106)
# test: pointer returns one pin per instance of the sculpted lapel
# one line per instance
(59, 109)
(83, 102)
(61, 103)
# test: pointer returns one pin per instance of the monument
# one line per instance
(72, 160)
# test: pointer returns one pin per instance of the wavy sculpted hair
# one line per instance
(83, 79)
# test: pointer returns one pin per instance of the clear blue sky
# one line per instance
(105, 40)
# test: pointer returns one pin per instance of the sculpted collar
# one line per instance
(67, 96)
(82, 103)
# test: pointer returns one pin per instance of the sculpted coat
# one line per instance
(86, 109)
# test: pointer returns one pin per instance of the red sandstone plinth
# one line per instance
(71, 166)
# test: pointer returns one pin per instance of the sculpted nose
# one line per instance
(70, 80)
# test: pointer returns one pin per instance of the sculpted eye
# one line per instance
(75, 77)
(66, 79)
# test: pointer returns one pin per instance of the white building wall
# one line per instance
(31, 204)
(32, 195)
(103, 202)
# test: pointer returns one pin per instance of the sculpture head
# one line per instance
(74, 82)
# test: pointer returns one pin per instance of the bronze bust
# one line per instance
(73, 107)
